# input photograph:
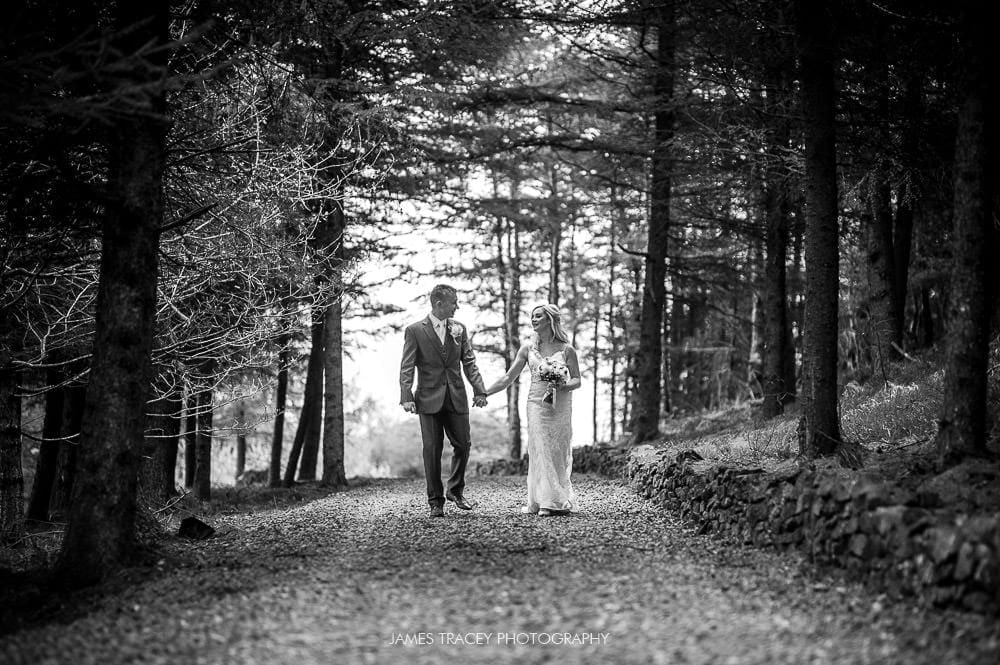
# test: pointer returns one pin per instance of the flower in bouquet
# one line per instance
(554, 372)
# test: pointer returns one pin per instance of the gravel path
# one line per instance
(365, 577)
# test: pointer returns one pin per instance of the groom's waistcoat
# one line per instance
(438, 367)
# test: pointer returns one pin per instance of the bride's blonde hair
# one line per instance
(555, 322)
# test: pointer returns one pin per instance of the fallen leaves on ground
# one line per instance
(347, 576)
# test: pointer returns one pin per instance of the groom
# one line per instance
(439, 348)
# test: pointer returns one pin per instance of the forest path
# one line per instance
(354, 576)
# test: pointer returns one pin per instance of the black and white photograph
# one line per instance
(425, 332)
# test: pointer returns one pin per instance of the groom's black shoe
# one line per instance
(437, 511)
(460, 501)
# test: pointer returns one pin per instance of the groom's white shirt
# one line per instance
(438, 327)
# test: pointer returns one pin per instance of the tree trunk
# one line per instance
(795, 285)
(774, 302)
(755, 359)
(596, 373)
(881, 326)
(630, 332)
(203, 445)
(48, 451)
(924, 323)
(665, 360)
(515, 447)
(612, 337)
(101, 532)
(554, 264)
(62, 490)
(11, 476)
(572, 306)
(820, 427)
(334, 474)
(555, 235)
(311, 417)
(190, 437)
(156, 479)
(901, 244)
(510, 277)
(295, 452)
(278, 438)
(512, 337)
(241, 439)
(613, 379)
(680, 361)
(168, 451)
(902, 240)
(883, 331)
(648, 393)
(314, 396)
(740, 369)
(241, 453)
(962, 426)
(775, 312)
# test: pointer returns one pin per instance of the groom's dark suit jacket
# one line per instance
(438, 367)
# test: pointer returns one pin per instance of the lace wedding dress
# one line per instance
(550, 456)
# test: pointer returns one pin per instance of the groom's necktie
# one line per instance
(439, 329)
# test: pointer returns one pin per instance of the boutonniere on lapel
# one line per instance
(456, 331)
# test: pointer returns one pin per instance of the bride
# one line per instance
(550, 409)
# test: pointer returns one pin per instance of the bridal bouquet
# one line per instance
(554, 372)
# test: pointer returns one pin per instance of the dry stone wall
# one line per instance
(864, 524)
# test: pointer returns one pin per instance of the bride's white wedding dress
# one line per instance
(550, 433)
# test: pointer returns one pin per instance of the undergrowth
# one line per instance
(882, 416)
(902, 410)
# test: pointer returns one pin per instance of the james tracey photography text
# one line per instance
(499, 639)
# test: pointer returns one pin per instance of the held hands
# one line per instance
(411, 407)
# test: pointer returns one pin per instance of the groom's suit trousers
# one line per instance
(433, 427)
